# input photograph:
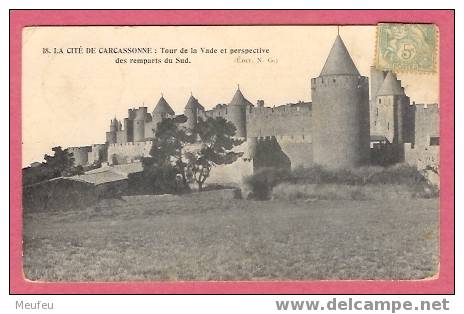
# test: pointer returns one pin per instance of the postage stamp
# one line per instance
(407, 47)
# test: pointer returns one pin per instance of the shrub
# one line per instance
(380, 180)
(261, 183)
(397, 174)
(154, 180)
(290, 192)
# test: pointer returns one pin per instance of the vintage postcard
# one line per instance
(209, 153)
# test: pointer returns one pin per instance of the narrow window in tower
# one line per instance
(388, 126)
(377, 111)
(380, 100)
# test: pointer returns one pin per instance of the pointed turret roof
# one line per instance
(390, 86)
(114, 121)
(239, 99)
(163, 107)
(193, 103)
(339, 60)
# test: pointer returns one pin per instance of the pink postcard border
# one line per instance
(443, 284)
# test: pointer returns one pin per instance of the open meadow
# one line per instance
(205, 236)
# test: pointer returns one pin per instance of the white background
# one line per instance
(209, 304)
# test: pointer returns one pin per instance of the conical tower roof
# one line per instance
(193, 103)
(114, 121)
(390, 86)
(339, 61)
(239, 99)
(163, 107)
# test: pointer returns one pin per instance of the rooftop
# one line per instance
(163, 107)
(390, 86)
(239, 99)
(339, 61)
(193, 103)
(108, 174)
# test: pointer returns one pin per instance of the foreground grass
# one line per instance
(200, 237)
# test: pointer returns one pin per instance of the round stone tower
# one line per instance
(111, 136)
(340, 112)
(162, 111)
(139, 124)
(191, 112)
(237, 113)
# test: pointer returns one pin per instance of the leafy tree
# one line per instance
(60, 164)
(190, 154)
(154, 179)
(37, 174)
(167, 152)
(216, 143)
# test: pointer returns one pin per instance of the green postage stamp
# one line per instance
(407, 47)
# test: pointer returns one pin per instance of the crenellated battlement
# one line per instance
(140, 113)
(283, 139)
(131, 144)
(283, 110)
(291, 120)
(339, 82)
(128, 152)
(426, 108)
(220, 110)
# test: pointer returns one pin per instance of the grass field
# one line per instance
(203, 237)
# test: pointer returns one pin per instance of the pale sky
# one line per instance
(69, 99)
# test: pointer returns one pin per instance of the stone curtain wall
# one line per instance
(80, 154)
(422, 156)
(426, 123)
(287, 120)
(128, 152)
(97, 154)
(424, 152)
(234, 173)
(300, 153)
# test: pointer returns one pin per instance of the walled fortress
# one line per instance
(344, 126)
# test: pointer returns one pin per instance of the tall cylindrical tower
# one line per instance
(340, 95)
(237, 113)
(191, 112)
(111, 136)
(129, 129)
(139, 124)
